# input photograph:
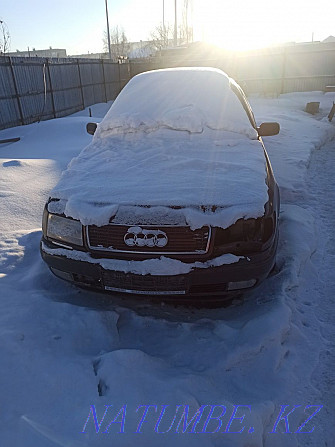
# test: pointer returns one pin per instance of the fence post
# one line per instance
(51, 89)
(104, 79)
(132, 69)
(283, 74)
(81, 85)
(16, 90)
(118, 62)
(128, 70)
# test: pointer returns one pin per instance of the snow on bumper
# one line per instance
(223, 275)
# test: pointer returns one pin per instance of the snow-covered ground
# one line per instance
(82, 369)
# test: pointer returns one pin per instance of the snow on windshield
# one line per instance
(188, 99)
(167, 168)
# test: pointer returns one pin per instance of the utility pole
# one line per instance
(163, 16)
(108, 35)
(175, 23)
(165, 38)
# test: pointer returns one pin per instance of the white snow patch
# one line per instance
(161, 266)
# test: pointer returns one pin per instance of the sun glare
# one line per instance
(245, 25)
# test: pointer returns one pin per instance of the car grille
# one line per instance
(177, 239)
(129, 282)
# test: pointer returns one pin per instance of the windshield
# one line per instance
(187, 99)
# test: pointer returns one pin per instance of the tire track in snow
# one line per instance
(318, 285)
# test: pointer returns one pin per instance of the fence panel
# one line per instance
(92, 81)
(66, 86)
(9, 106)
(112, 79)
(308, 83)
(33, 89)
(124, 75)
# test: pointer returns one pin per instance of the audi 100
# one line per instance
(175, 195)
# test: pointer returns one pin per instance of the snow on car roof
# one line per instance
(173, 138)
(185, 98)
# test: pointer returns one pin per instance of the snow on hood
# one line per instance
(165, 169)
(189, 99)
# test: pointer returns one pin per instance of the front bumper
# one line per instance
(224, 281)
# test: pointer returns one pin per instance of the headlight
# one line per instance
(64, 230)
(245, 236)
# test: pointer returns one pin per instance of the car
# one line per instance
(175, 195)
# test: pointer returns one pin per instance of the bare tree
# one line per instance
(186, 31)
(185, 35)
(119, 43)
(4, 38)
(162, 36)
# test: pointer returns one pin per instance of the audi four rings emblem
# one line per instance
(140, 237)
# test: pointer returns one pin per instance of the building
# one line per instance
(133, 50)
(51, 52)
(329, 39)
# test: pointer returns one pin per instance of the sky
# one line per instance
(240, 25)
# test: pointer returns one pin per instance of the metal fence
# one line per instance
(33, 89)
(295, 68)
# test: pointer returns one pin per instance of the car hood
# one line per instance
(210, 178)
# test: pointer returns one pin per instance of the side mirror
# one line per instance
(268, 129)
(91, 128)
